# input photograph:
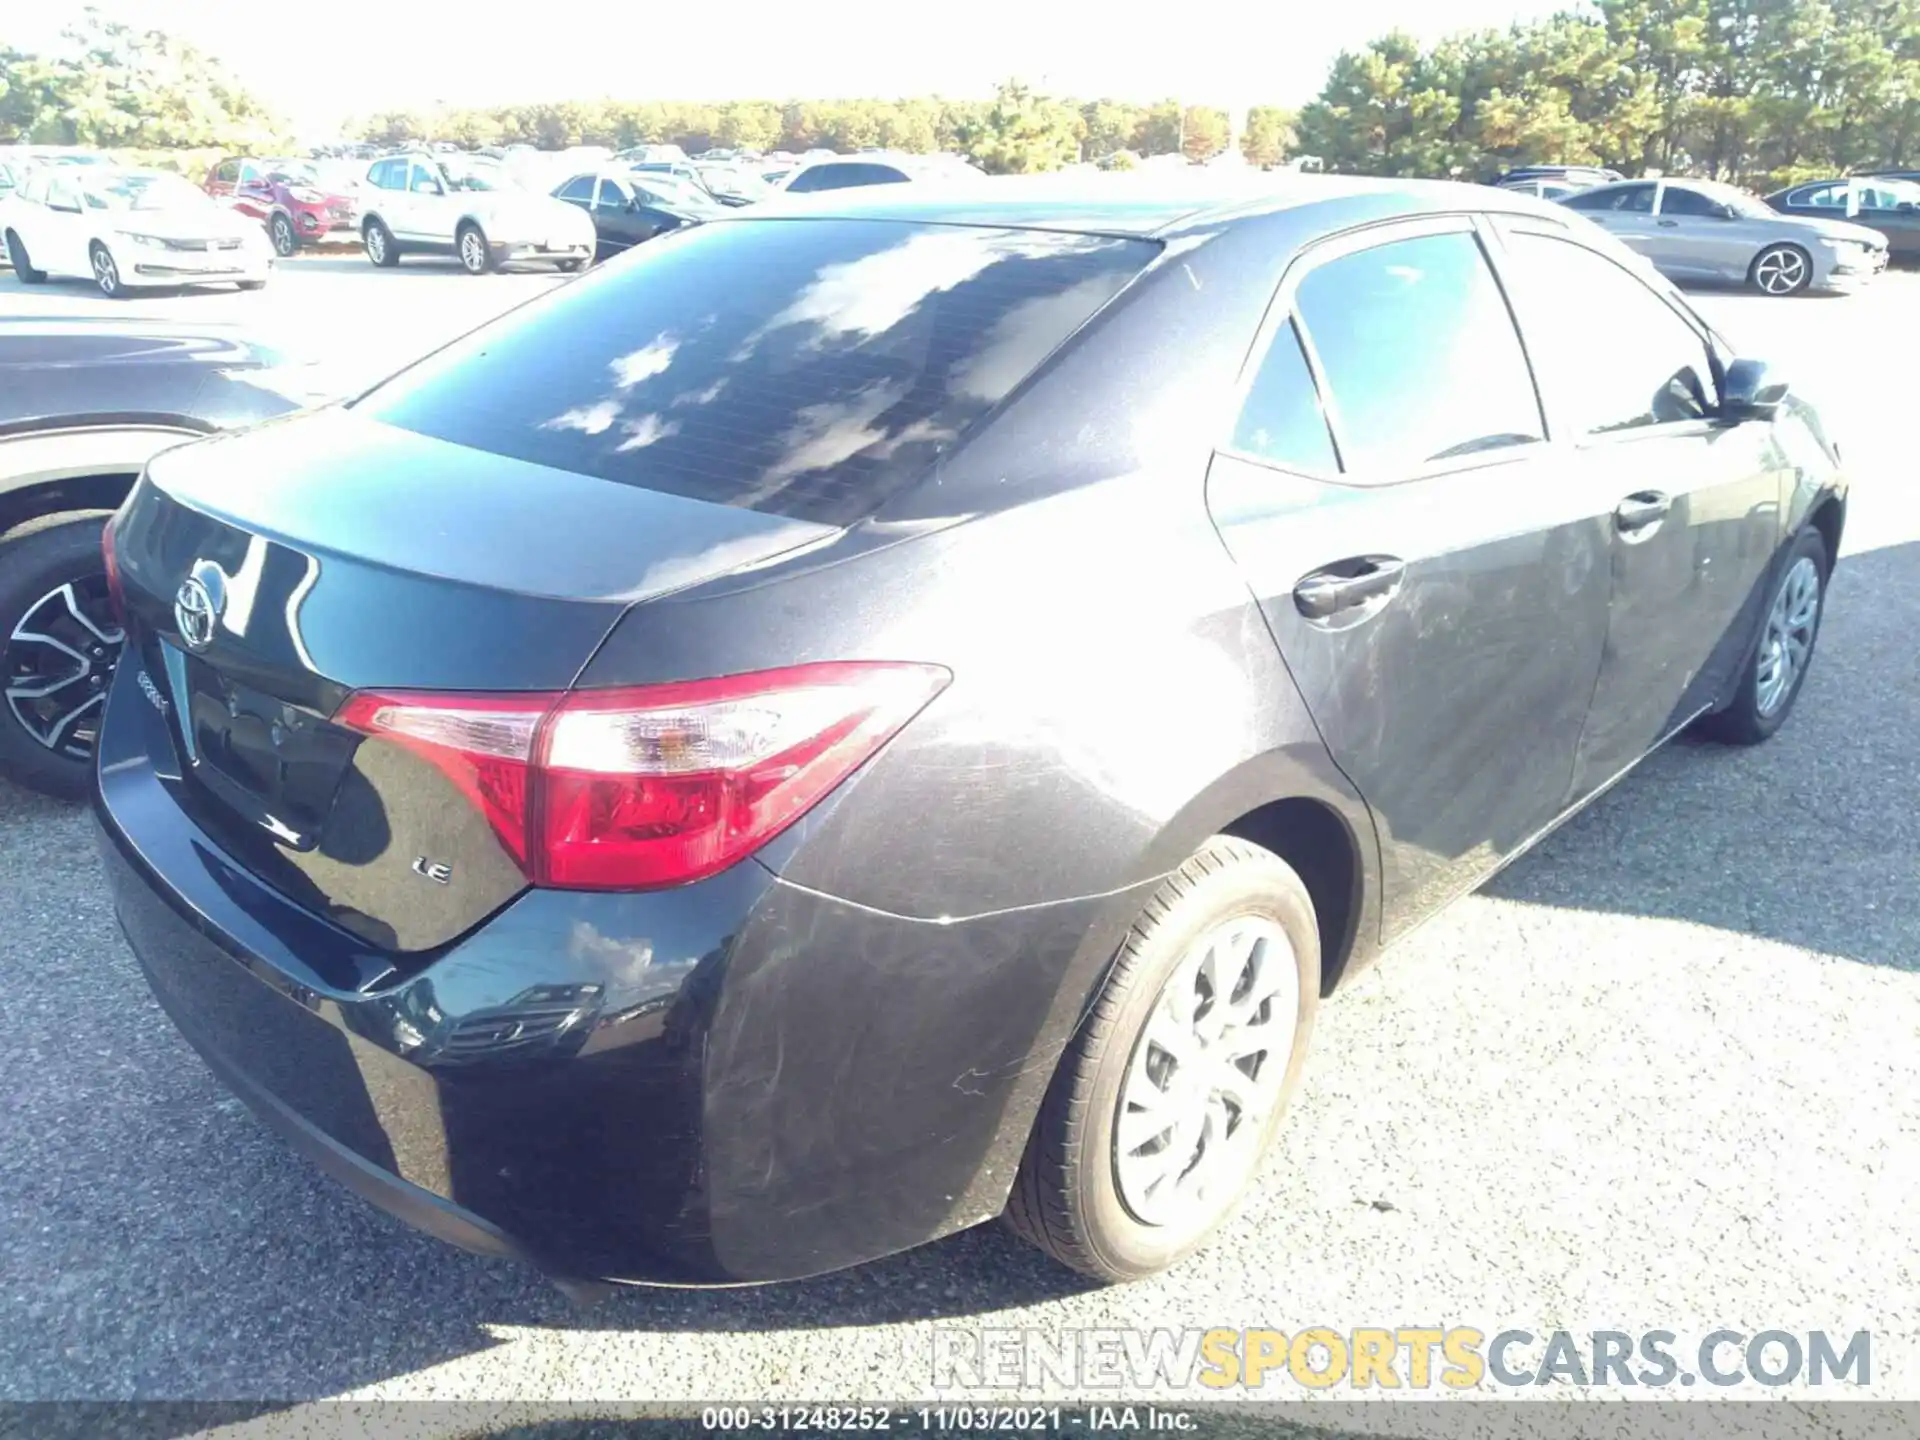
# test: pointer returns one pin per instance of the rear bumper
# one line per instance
(734, 1081)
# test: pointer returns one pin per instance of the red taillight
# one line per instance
(653, 785)
(116, 595)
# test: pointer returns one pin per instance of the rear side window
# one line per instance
(1678, 200)
(578, 188)
(1419, 354)
(1281, 421)
(803, 367)
(1612, 354)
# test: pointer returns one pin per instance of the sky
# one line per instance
(319, 64)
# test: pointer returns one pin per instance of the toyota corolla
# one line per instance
(855, 721)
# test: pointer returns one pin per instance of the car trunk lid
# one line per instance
(269, 575)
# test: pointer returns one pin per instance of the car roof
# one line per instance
(1133, 204)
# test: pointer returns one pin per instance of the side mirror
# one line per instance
(1752, 390)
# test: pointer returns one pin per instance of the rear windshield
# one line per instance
(809, 368)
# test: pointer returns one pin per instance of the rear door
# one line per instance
(1892, 210)
(1697, 505)
(1434, 570)
(60, 244)
(1625, 211)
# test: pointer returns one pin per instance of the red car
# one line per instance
(288, 197)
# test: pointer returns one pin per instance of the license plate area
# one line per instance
(276, 765)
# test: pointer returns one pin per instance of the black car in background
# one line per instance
(1887, 203)
(628, 207)
(889, 711)
(84, 405)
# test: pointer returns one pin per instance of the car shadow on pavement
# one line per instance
(1811, 839)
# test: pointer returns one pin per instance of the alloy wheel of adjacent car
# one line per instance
(1162, 1107)
(474, 257)
(22, 266)
(59, 642)
(1781, 270)
(285, 242)
(106, 274)
(380, 247)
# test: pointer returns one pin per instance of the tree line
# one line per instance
(1762, 91)
(1018, 130)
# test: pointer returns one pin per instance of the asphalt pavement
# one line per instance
(1658, 1075)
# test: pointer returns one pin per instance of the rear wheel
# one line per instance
(381, 249)
(22, 266)
(280, 231)
(253, 284)
(1773, 677)
(59, 642)
(1781, 270)
(471, 246)
(1165, 1102)
(106, 274)
(568, 267)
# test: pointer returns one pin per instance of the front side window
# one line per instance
(1679, 200)
(1281, 420)
(1612, 354)
(808, 370)
(425, 182)
(1419, 354)
(612, 196)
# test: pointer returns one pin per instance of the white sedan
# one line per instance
(125, 229)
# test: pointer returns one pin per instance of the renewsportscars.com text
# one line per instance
(1398, 1358)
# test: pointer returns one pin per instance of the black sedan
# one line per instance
(895, 711)
(628, 207)
(1888, 204)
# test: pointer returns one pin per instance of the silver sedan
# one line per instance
(1702, 230)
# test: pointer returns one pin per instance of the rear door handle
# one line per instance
(1668, 224)
(1641, 510)
(1347, 584)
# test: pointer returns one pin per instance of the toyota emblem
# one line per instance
(198, 603)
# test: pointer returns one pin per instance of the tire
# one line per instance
(1078, 1196)
(571, 267)
(382, 249)
(1781, 270)
(106, 272)
(253, 284)
(53, 583)
(1762, 701)
(22, 266)
(470, 248)
(280, 232)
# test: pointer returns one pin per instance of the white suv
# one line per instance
(472, 210)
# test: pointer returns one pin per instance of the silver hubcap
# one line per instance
(57, 663)
(1789, 639)
(377, 244)
(282, 236)
(1780, 272)
(104, 272)
(473, 251)
(1206, 1073)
